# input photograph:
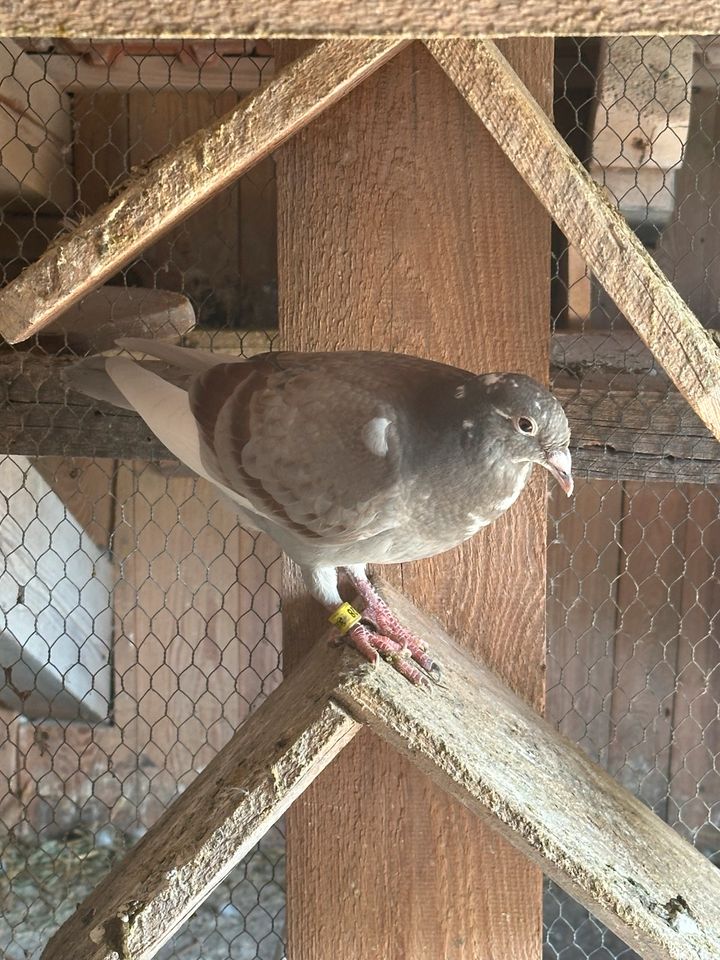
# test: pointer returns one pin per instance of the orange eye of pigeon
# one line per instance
(526, 425)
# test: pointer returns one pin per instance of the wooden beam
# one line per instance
(241, 793)
(628, 422)
(179, 182)
(634, 281)
(318, 18)
(399, 174)
(473, 737)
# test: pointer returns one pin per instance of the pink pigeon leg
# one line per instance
(378, 612)
(372, 645)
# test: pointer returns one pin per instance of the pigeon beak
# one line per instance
(559, 463)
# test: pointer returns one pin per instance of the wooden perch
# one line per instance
(94, 323)
(579, 207)
(173, 186)
(470, 734)
(274, 756)
(628, 422)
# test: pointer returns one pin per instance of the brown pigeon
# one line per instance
(346, 458)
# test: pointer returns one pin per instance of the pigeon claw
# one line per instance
(371, 645)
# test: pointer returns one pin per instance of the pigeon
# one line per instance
(346, 459)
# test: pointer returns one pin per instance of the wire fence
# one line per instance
(140, 625)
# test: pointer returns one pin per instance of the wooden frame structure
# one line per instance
(564, 812)
(655, 891)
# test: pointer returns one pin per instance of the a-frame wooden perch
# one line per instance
(477, 740)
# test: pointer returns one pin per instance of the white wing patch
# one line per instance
(474, 524)
(374, 436)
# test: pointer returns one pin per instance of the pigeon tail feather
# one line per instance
(90, 377)
(186, 358)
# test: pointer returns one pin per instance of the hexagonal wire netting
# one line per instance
(140, 624)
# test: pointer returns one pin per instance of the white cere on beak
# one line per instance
(374, 436)
(490, 378)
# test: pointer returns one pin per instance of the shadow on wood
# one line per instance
(472, 736)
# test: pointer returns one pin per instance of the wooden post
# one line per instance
(403, 227)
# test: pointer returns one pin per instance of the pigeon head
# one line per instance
(532, 423)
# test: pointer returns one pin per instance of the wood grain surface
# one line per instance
(402, 227)
(320, 18)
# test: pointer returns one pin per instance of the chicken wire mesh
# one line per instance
(141, 625)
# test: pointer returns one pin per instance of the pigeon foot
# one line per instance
(373, 645)
(381, 617)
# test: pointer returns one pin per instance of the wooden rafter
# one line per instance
(319, 18)
(649, 301)
(470, 734)
(176, 184)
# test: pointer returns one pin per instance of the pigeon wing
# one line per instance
(312, 441)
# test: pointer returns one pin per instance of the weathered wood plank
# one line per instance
(472, 736)
(492, 752)
(318, 18)
(178, 183)
(269, 762)
(626, 270)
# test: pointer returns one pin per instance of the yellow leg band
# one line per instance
(344, 618)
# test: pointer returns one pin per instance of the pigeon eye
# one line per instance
(526, 425)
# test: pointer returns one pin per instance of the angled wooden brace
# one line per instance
(579, 207)
(476, 739)
(172, 187)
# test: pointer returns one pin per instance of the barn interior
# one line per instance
(141, 625)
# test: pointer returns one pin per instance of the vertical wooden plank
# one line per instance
(403, 227)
